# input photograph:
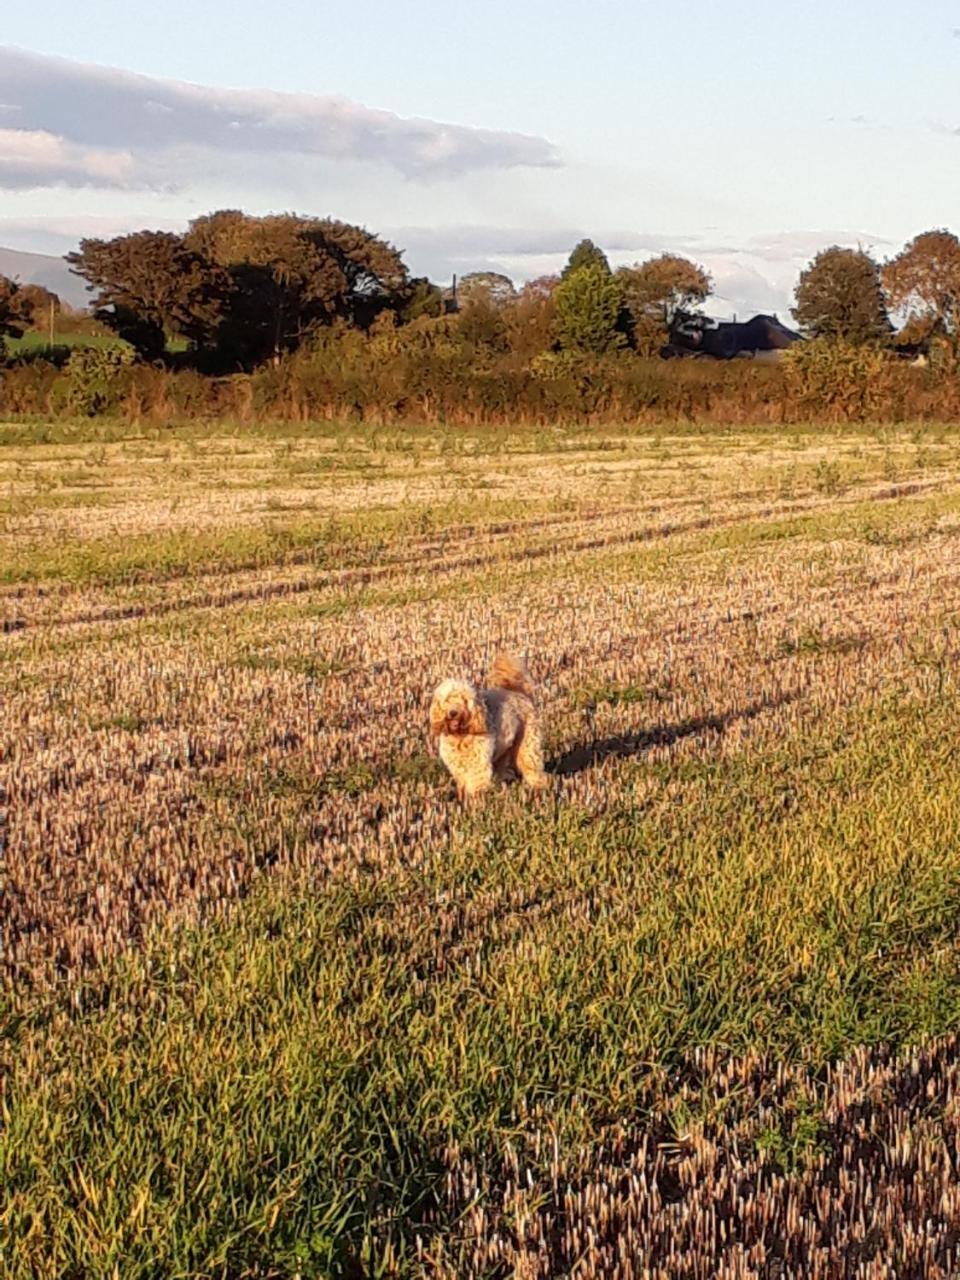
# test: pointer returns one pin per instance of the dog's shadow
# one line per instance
(622, 746)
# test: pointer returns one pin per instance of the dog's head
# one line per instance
(457, 710)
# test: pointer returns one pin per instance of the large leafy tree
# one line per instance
(585, 254)
(588, 312)
(291, 274)
(244, 288)
(37, 304)
(490, 287)
(923, 282)
(839, 295)
(151, 286)
(656, 292)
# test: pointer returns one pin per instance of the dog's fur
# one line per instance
(486, 733)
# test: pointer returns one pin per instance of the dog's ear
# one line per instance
(437, 717)
(478, 722)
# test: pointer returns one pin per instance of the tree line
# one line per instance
(235, 291)
(285, 317)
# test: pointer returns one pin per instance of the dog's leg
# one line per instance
(505, 766)
(479, 777)
(529, 758)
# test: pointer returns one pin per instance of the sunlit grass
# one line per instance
(274, 1005)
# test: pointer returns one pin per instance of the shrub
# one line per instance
(93, 378)
(836, 379)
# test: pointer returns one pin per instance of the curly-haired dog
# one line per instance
(484, 733)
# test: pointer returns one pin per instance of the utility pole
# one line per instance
(52, 319)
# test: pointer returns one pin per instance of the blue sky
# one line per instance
(745, 134)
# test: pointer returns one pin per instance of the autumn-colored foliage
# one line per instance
(923, 281)
(839, 295)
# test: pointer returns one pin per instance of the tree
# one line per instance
(13, 320)
(37, 304)
(923, 281)
(588, 303)
(150, 286)
(291, 274)
(585, 254)
(420, 298)
(241, 287)
(481, 325)
(656, 292)
(531, 320)
(487, 286)
(839, 295)
(539, 289)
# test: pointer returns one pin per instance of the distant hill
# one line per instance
(43, 268)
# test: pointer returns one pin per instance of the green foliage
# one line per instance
(419, 299)
(13, 312)
(291, 275)
(840, 380)
(151, 285)
(37, 304)
(588, 304)
(482, 325)
(270, 1095)
(93, 375)
(239, 288)
(586, 254)
(839, 296)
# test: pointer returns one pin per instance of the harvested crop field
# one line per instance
(274, 1005)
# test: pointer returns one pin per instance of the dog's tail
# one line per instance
(511, 673)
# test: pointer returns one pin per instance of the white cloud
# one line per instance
(757, 273)
(34, 158)
(741, 289)
(148, 124)
(797, 245)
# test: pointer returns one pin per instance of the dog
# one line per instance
(484, 734)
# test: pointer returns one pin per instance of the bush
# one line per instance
(93, 378)
(436, 370)
(828, 377)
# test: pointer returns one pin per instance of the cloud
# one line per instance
(149, 125)
(743, 289)
(523, 252)
(518, 242)
(60, 233)
(793, 245)
(34, 158)
(751, 274)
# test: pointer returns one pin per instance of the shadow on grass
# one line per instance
(622, 746)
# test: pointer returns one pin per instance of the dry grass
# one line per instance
(525, 1039)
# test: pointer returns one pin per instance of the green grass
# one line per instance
(351, 539)
(39, 340)
(270, 1095)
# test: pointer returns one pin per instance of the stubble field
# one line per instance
(274, 1005)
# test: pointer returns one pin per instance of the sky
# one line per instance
(745, 135)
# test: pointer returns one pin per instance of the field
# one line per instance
(36, 340)
(274, 1005)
